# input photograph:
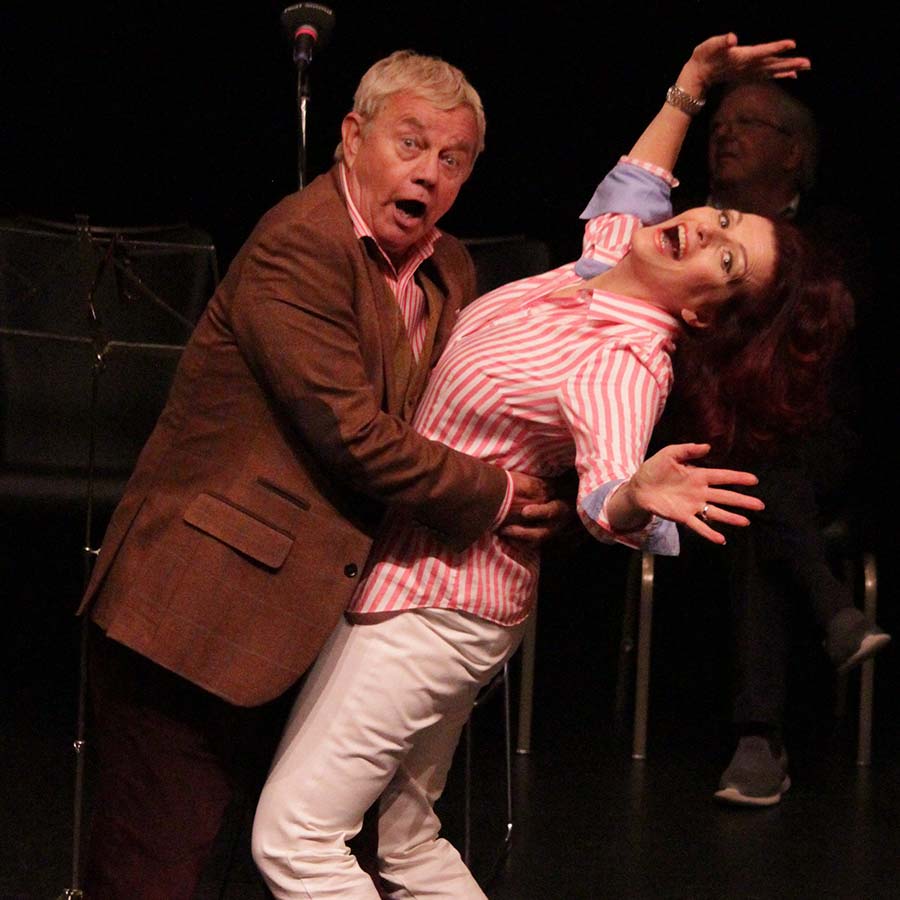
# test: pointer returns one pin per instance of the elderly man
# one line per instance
(762, 150)
(762, 156)
(252, 507)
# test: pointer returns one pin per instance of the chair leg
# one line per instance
(867, 673)
(526, 690)
(467, 797)
(642, 677)
(507, 746)
(629, 627)
(501, 679)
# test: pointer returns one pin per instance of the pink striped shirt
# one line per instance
(410, 297)
(536, 383)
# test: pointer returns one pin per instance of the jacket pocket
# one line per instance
(285, 494)
(240, 529)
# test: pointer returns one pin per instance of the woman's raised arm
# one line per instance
(717, 59)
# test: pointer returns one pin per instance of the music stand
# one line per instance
(87, 351)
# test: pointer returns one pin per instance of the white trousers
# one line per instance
(379, 716)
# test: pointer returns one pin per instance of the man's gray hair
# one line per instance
(428, 77)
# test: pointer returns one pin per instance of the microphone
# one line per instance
(308, 25)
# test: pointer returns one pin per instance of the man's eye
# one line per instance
(724, 221)
(451, 162)
(408, 142)
(727, 259)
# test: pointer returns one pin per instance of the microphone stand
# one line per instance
(308, 25)
(302, 101)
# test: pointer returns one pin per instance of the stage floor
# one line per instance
(589, 821)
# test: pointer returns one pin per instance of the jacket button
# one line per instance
(350, 570)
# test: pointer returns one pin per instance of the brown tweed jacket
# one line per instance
(252, 507)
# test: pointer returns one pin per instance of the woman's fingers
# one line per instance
(772, 48)
(704, 519)
(728, 476)
(723, 516)
(733, 498)
(725, 60)
(698, 525)
(777, 66)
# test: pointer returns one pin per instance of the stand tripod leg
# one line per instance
(80, 743)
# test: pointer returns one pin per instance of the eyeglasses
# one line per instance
(746, 123)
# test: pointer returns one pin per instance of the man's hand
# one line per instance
(536, 513)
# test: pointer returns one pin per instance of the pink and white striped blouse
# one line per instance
(537, 383)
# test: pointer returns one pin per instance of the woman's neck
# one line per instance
(621, 279)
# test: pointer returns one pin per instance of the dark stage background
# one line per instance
(147, 113)
(152, 113)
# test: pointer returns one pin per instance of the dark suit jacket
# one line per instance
(252, 507)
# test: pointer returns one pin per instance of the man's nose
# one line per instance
(722, 128)
(426, 170)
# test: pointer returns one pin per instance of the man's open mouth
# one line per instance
(673, 240)
(415, 209)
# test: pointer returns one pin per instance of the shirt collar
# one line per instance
(608, 307)
(790, 211)
(419, 252)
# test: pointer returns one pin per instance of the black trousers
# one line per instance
(169, 757)
(781, 561)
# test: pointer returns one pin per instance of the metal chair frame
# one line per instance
(639, 609)
(499, 682)
(637, 629)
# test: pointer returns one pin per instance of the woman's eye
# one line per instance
(726, 261)
(724, 221)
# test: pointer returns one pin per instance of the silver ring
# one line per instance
(704, 513)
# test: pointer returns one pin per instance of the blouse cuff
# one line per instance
(658, 536)
(506, 504)
(634, 188)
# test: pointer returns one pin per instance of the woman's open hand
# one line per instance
(668, 485)
(721, 58)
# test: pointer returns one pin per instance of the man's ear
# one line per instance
(697, 318)
(351, 136)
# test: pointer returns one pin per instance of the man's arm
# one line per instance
(309, 340)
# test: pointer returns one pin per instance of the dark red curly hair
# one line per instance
(760, 372)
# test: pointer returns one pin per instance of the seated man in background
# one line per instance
(762, 156)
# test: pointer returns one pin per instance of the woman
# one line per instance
(570, 368)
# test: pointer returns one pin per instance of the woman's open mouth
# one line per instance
(673, 241)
